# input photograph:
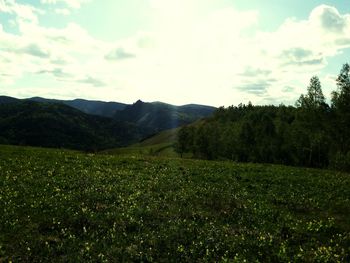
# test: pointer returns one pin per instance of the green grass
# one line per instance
(161, 144)
(68, 206)
(164, 137)
(162, 149)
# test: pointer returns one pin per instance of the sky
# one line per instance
(212, 52)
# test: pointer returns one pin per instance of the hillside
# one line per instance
(60, 206)
(161, 144)
(6, 99)
(155, 116)
(100, 108)
(161, 116)
(75, 124)
(58, 125)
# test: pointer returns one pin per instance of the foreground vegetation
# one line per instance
(67, 206)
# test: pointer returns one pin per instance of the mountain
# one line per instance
(57, 125)
(6, 99)
(78, 124)
(100, 108)
(155, 115)
(161, 116)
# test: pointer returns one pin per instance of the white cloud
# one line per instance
(23, 12)
(60, 53)
(218, 59)
(328, 19)
(75, 4)
(119, 54)
(62, 11)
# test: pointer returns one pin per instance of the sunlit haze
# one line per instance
(213, 52)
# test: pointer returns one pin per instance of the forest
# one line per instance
(312, 133)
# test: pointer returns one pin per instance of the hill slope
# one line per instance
(161, 116)
(157, 116)
(6, 99)
(54, 123)
(161, 144)
(58, 125)
(100, 108)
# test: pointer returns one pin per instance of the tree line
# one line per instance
(311, 133)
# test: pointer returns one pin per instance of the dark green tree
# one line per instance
(310, 129)
(341, 120)
(314, 97)
(184, 140)
(341, 97)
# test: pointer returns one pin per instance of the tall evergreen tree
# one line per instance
(341, 108)
(341, 97)
(310, 129)
(314, 97)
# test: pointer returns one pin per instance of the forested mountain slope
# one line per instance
(161, 116)
(58, 125)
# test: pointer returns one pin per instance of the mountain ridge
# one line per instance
(38, 121)
(94, 107)
(118, 105)
(60, 126)
(162, 116)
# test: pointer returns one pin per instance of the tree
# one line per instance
(341, 109)
(314, 98)
(341, 97)
(310, 125)
(184, 140)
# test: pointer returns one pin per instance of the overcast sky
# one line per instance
(214, 52)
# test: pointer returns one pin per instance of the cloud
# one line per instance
(62, 11)
(288, 89)
(92, 81)
(301, 57)
(329, 18)
(59, 61)
(218, 58)
(297, 54)
(255, 72)
(343, 42)
(256, 88)
(119, 54)
(35, 50)
(58, 52)
(23, 12)
(75, 4)
(57, 72)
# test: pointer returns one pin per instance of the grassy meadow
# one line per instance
(66, 206)
(161, 144)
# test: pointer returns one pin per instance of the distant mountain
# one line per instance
(58, 125)
(6, 99)
(155, 115)
(100, 108)
(78, 124)
(161, 116)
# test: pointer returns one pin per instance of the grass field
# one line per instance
(67, 206)
(161, 144)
